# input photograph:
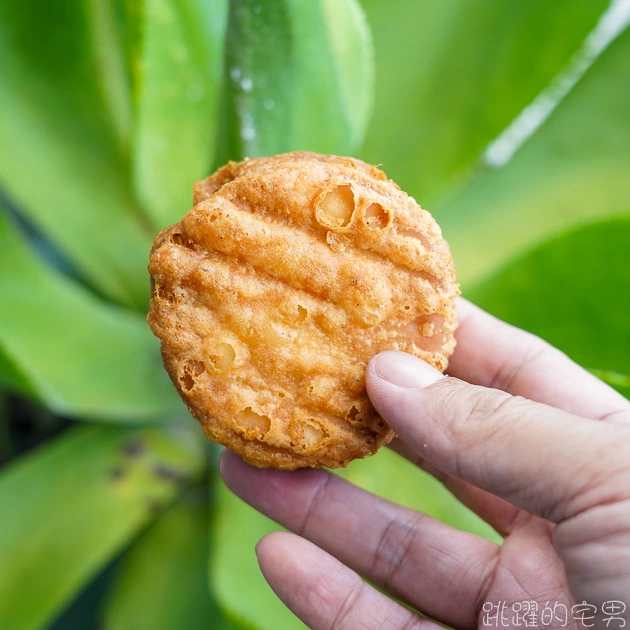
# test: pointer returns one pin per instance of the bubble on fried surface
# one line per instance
(222, 356)
(160, 292)
(164, 294)
(354, 415)
(377, 217)
(336, 207)
(305, 266)
(417, 235)
(313, 435)
(252, 423)
(189, 373)
(371, 311)
(300, 314)
(178, 239)
(427, 332)
(337, 242)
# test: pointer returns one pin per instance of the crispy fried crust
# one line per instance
(271, 295)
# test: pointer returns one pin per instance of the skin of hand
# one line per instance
(527, 439)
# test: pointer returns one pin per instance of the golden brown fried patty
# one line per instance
(272, 294)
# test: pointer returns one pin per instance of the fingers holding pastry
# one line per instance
(410, 555)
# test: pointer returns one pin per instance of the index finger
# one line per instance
(495, 354)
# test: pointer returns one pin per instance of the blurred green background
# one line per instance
(509, 121)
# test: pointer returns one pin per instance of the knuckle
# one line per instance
(394, 544)
(476, 412)
(603, 481)
(344, 606)
(320, 496)
(532, 350)
(481, 422)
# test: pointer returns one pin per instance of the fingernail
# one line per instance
(405, 370)
(258, 545)
(222, 462)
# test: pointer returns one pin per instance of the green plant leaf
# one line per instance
(83, 612)
(163, 580)
(334, 68)
(70, 506)
(112, 25)
(177, 98)
(61, 162)
(574, 169)
(299, 75)
(237, 528)
(77, 354)
(452, 74)
(11, 376)
(574, 291)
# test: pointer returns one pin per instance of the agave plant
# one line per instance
(510, 121)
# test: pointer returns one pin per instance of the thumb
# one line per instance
(539, 458)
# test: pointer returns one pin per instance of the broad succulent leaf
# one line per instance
(176, 88)
(573, 170)
(71, 505)
(452, 74)
(61, 161)
(573, 291)
(76, 354)
(299, 76)
(162, 582)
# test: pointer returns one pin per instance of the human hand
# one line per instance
(551, 476)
